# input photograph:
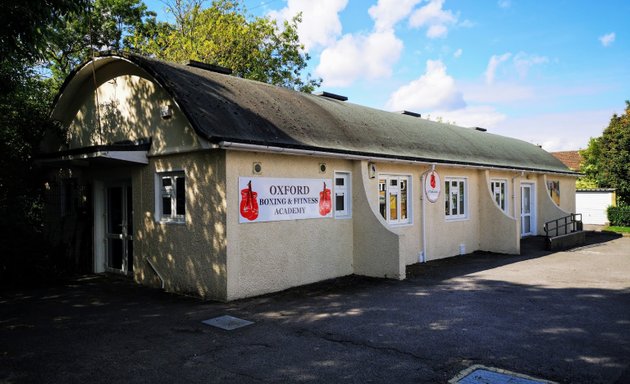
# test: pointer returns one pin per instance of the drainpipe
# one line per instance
(156, 271)
(423, 258)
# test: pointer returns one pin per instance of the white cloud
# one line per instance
(434, 17)
(435, 89)
(523, 62)
(320, 24)
(471, 116)
(438, 30)
(493, 64)
(457, 54)
(504, 4)
(387, 13)
(607, 39)
(355, 56)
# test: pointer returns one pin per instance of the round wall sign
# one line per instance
(432, 186)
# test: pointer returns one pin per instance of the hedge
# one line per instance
(619, 216)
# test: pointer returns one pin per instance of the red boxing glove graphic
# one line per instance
(249, 203)
(325, 201)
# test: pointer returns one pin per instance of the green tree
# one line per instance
(104, 25)
(607, 158)
(24, 106)
(256, 48)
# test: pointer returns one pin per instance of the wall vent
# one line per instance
(209, 67)
(332, 96)
(410, 113)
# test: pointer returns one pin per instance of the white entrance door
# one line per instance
(118, 230)
(528, 210)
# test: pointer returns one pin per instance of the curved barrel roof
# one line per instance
(224, 108)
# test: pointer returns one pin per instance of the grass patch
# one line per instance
(618, 229)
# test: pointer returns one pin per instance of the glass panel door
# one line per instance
(118, 239)
(527, 203)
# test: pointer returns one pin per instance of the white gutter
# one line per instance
(309, 152)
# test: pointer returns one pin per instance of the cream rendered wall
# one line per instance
(129, 109)
(191, 256)
(567, 191)
(444, 237)
(547, 209)
(498, 230)
(272, 256)
(377, 248)
(410, 235)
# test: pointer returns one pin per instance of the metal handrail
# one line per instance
(569, 221)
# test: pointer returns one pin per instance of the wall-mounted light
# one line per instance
(166, 112)
(371, 170)
(256, 168)
(322, 167)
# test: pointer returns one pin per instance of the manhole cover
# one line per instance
(478, 374)
(227, 322)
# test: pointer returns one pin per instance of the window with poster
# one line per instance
(393, 195)
(342, 192)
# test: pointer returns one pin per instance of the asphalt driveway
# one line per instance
(563, 317)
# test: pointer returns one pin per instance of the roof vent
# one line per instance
(332, 96)
(209, 67)
(480, 129)
(414, 114)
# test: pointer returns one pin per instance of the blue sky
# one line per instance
(548, 72)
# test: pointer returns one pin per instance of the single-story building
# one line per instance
(184, 177)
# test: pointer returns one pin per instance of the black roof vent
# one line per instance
(332, 96)
(480, 129)
(414, 114)
(209, 67)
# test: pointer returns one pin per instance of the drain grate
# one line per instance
(227, 322)
(478, 374)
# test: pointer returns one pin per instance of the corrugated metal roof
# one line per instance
(227, 108)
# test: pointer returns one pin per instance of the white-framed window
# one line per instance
(393, 196)
(343, 200)
(499, 193)
(171, 197)
(455, 198)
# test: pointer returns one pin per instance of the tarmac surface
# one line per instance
(562, 316)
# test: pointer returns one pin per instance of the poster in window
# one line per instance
(554, 191)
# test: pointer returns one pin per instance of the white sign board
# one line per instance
(273, 199)
(432, 186)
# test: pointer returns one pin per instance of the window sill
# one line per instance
(175, 222)
(400, 225)
(455, 219)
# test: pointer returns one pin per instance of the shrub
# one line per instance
(619, 216)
